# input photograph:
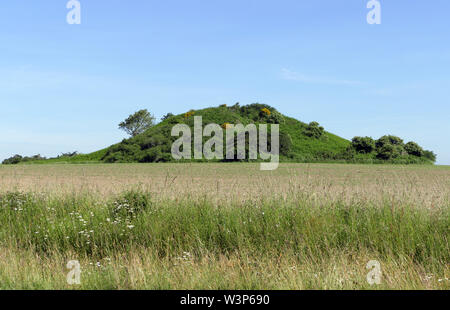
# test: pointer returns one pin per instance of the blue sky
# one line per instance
(66, 87)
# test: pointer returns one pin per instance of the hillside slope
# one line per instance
(299, 142)
(154, 145)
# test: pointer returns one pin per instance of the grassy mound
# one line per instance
(295, 145)
(299, 142)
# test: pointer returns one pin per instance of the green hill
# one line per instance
(154, 145)
(299, 142)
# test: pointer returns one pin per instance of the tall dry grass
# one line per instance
(224, 226)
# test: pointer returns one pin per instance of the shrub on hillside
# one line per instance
(123, 152)
(389, 147)
(271, 116)
(430, 155)
(389, 151)
(189, 114)
(348, 154)
(276, 118)
(13, 160)
(167, 116)
(16, 159)
(364, 145)
(324, 155)
(69, 154)
(388, 139)
(265, 112)
(314, 130)
(151, 155)
(236, 107)
(285, 143)
(146, 142)
(254, 111)
(414, 149)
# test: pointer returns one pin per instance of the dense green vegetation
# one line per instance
(391, 148)
(299, 142)
(138, 123)
(16, 159)
(64, 158)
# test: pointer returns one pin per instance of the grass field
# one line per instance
(224, 226)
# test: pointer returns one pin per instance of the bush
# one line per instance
(363, 145)
(389, 147)
(389, 151)
(265, 112)
(152, 141)
(123, 152)
(167, 116)
(69, 154)
(430, 155)
(414, 149)
(314, 130)
(276, 118)
(389, 139)
(348, 154)
(236, 107)
(152, 155)
(189, 114)
(285, 143)
(254, 111)
(14, 160)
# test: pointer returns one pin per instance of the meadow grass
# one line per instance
(225, 227)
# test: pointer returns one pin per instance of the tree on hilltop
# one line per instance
(138, 122)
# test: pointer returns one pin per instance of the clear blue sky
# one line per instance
(66, 87)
